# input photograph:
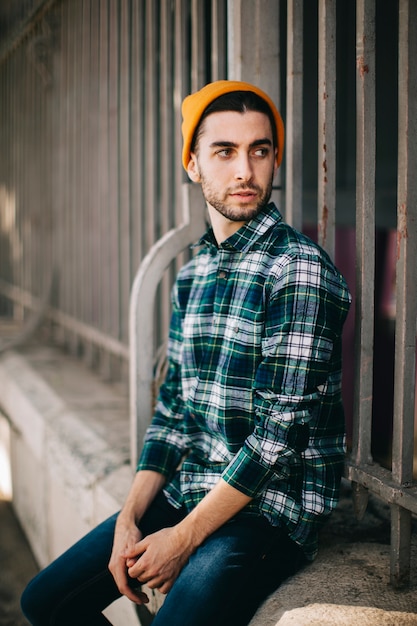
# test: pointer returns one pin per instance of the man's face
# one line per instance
(235, 162)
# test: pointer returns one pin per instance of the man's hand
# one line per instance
(162, 556)
(145, 487)
(126, 536)
(158, 559)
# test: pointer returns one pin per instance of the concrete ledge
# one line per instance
(69, 449)
(348, 583)
(335, 615)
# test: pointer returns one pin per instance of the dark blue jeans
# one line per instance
(223, 583)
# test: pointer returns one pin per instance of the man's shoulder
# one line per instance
(288, 247)
(283, 239)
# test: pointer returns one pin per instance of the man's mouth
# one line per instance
(244, 193)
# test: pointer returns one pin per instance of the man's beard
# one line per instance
(235, 213)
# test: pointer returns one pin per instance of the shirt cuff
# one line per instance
(158, 457)
(246, 474)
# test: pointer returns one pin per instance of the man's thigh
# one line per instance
(229, 576)
(60, 588)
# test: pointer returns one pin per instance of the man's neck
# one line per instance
(223, 228)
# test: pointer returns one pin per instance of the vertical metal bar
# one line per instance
(182, 87)
(102, 162)
(67, 174)
(48, 270)
(165, 150)
(326, 179)
(406, 269)
(137, 165)
(166, 121)
(234, 40)
(15, 104)
(294, 121)
(124, 276)
(218, 39)
(84, 163)
(20, 170)
(21, 175)
(5, 254)
(141, 356)
(264, 49)
(253, 44)
(112, 209)
(110, 212)
(254, 49)
(59, 165)
(26, 172)
(198, 45)
(94, 126)
(365, 227)
(77, 213)
(27, 175)
(10, 124)
(150, 129)
(400, 553)
(406, 296)
(77, 209)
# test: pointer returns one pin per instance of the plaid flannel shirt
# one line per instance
(253, 388)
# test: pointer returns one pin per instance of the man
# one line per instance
(242, 462)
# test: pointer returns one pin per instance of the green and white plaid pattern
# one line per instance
(253, 389)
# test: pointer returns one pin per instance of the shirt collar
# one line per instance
(244, 238)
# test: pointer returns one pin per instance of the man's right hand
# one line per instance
(145, 486)
(125, 537)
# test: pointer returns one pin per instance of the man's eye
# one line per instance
(261, 152)
(224, 152)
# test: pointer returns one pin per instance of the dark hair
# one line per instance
(241, 102)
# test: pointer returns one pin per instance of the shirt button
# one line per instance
(222, 274)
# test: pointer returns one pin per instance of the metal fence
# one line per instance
(90, 123)
(90, 175)
(396, 486)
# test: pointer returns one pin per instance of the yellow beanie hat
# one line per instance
(193, 107)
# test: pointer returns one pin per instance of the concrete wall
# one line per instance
(66, 435)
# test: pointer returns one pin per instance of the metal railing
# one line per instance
(90, 175)
(395, 486)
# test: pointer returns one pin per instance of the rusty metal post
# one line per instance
(294, 121)
(365, 227)
(365, 242)
(326, 178)
(406, 296)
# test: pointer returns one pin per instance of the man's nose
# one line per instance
(243, 169)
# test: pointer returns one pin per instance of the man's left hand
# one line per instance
(158, 559)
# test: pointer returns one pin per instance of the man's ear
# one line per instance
(192, 169)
